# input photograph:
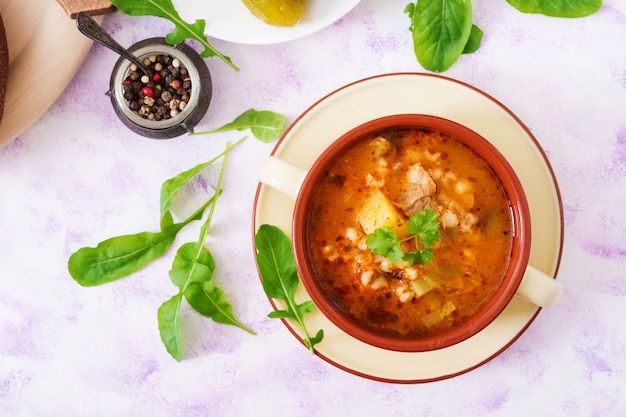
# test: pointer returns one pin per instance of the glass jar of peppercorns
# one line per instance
(170, 99)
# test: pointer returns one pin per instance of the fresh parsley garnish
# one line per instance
(424, 229)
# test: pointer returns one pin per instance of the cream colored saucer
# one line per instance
(390, 94)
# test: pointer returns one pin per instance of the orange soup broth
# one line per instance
(471, 264)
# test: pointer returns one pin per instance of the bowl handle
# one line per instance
(539, 288)
(282, 176)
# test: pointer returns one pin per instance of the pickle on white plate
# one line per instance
(277, 12)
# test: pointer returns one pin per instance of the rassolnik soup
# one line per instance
(383, 179)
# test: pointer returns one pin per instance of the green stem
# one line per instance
(207, 45)
(180, 22)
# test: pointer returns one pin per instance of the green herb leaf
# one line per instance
(265, 125)
(171, 187)
(120, 256)
(192, 272)
(383, 242)
(473, 43)
(186, 268)
(424, 229)
(424, 225)
(210, 301)
(279, 277)
(441, 29)
(182, 30)
(558, 8)
(192, 268)
(420, 256)
(170, 326)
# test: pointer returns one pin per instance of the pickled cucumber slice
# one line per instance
(277, 12)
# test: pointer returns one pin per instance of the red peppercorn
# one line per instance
(175, 84)
(147, 91)
(156, 77)
(126, 81)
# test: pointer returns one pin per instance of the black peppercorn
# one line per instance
(169, 83)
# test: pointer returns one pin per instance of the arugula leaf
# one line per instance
(192, 268)
(383, 241)
(192, 264)
(423, 227)
(171, 325)
(279, 278)
(210, 301)
(182, 29)
(120, 256)
(171, 187)
(192, 272)
(440, 29)
(558, 8)
(265, 125)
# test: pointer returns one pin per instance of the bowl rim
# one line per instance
(520, 251)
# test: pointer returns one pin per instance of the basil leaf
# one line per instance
(210, 301)
(473, 42)
(441, 29)
(170, 326)
(182, 30)
(279, 278)
(265, 125)
(558, 8)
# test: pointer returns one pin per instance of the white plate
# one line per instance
(45, 51)
(390, 94)
(231, 21)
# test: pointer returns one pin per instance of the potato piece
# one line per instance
(378, 212)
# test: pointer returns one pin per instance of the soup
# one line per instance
(382, 180)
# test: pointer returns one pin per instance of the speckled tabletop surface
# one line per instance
(78, 176)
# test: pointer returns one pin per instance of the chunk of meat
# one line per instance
(414, 190)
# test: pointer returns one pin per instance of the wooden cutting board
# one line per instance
(92, 7)
(37, 32)
(4, 67)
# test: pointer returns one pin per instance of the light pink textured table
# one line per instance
(78, 176)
